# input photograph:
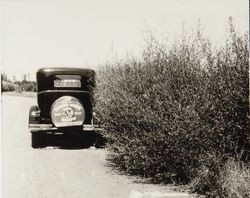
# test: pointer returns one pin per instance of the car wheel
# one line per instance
(100, 141)
(37, 140)
(86, 140)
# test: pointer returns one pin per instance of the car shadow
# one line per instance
(72, 141)
(68, 141)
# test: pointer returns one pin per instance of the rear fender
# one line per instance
(34, 115)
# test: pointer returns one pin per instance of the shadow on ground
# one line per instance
(72, 141)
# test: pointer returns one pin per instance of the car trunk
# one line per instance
(57, 82)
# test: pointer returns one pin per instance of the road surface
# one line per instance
(60, 173)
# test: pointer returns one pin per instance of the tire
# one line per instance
(37, 140)
(86, 139)
(100, 141)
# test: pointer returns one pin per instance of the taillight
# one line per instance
(35, 114)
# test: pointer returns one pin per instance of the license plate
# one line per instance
(67, 83)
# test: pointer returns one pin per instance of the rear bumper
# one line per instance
(50, 128)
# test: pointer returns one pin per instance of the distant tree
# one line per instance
(4, 77)
(27, 85)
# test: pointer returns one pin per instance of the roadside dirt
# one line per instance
(60, 173)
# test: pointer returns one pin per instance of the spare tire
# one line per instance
(67, 111)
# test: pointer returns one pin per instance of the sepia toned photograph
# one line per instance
(124, 99)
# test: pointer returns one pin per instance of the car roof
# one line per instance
(46, 76)
(63, 69)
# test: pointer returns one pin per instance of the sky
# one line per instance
(86, 33)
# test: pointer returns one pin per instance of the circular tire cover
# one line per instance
(67, 111)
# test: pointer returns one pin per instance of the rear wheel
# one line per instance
(100, 141)
(38, 140)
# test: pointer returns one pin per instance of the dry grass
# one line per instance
(235, 179)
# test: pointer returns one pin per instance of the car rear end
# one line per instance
(65, 101)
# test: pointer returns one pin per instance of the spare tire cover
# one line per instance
(67, 111)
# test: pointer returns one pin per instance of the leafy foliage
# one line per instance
(179, 113)
(25, 85)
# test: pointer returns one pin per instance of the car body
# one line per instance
(65, 98)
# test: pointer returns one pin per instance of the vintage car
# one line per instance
(64, 105)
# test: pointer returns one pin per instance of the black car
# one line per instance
(64, 105)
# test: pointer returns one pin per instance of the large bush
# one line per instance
(180, 112)
(7, 87)
(6, 84)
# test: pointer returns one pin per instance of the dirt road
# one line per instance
(60, 173)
